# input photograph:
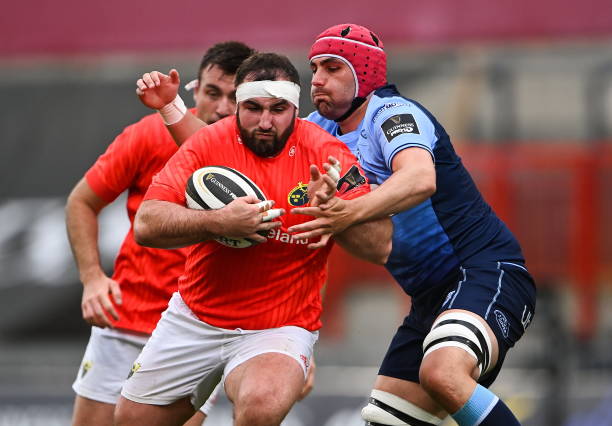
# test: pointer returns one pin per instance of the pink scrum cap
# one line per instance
(360, 48)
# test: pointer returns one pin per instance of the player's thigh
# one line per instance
(269, 378)
(88, 412)
(106, 364)
(182, 358)
(131, 413)
(274, 360)
(502, 297)
(197, 419)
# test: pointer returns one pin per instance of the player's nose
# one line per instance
(318, 78)
(265, 120)
(225, 107)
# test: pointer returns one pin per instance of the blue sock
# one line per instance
(484, 408)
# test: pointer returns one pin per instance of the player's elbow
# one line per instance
(425, 188)
(381, 255)
(384, 246)
(143, 231)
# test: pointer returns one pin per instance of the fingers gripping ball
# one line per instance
(213, 187)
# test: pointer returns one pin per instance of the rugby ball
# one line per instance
(213, 187)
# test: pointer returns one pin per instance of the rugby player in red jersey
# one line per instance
(250, 315)
(124, 309)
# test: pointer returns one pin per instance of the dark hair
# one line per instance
(227, 55)
(267, 66)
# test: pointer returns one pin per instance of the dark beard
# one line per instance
(265, 148)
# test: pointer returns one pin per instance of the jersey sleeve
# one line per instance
(114, 171)
(397, 126)
(169, 183)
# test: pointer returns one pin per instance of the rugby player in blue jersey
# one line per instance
(472, 296)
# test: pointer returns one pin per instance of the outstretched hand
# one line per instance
(156, 89)
(321, 193)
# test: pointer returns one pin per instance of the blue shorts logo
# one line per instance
(502, 321)
(448, 298)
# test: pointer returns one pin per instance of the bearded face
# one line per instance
(265, 124)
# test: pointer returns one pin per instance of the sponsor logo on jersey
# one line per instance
(86, 367)
(399, 125)
(135, 367)
(283, 237)
(351, 179)
(298, 196)
(384, 108)
(502, 321)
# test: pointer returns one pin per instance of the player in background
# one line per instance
(123, 309)
(250, 315)
(472, 296)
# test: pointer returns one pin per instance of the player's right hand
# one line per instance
(246, 216)
(96, 302)
(156, 89)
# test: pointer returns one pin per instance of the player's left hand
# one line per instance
(156, 89)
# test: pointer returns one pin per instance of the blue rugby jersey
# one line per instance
(455, 226)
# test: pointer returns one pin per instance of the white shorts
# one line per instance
(186, 356)
(108, 359)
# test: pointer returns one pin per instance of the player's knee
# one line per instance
(439, 378)
(385, 408)
(125, 413)
(258, 408)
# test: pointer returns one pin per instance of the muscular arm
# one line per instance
(82, 210)
(369, 241)
(163, 224)
(183, 130)
(413, 181)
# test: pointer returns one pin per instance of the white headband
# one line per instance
(269, 89)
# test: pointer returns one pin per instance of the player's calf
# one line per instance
(450, 376)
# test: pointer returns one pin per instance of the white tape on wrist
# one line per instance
(173, 112)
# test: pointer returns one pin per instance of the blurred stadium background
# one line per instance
(524, 88)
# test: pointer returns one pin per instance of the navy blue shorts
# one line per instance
(502, 293)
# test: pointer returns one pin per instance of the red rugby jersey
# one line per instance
(147, 276)
(269, 285)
